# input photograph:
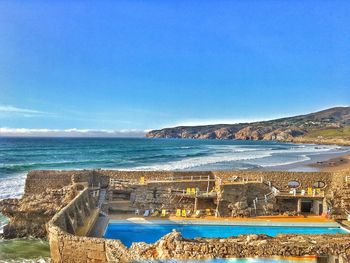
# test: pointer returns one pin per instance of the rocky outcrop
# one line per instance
(292, 129)
(175, 246)
(28, 216)
(68, 248)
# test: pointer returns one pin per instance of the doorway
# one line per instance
(306, 206)
(320, 209)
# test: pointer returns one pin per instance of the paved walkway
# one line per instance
(281, 218)
(99, 227)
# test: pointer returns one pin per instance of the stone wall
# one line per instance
(69, 248)
(164, 196)
(64, 228)
(66, 246)
(37, 180)
(280, 179)
(40, 180)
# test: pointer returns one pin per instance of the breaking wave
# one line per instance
(18, 156)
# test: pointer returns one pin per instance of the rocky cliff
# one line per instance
(327, 126)
(28, 215)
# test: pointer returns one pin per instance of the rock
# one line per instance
(28, 215)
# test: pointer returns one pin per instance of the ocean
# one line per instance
(20, 155)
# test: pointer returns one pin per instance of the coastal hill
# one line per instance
(326, 126)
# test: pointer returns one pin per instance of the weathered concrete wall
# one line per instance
(67, 247)
(280, 179)
(159, 196)
(40, 180)
(37, 180)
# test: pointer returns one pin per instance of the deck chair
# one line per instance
(188, 213)
(178, 212)
(155, 213)
(318, 191)
(309, 191)
(142, 180)
(163, 214)
(147, 212)
(207, 212)
(233, 178)
(183, 213)
(137, 212)
(193, 191)
(188, 191)
(302, 192)
(197, 214)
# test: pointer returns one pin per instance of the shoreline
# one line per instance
(323, 162)
(336, 164)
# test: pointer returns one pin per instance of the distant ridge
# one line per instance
(326, 126)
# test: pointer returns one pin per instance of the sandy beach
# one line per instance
(340, 163)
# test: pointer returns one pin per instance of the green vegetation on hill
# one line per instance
(326, 126)
(331, 133)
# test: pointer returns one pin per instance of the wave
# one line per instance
(302, 159)
(189, 163)
(234, 153)
(12, 187)
(151, 155)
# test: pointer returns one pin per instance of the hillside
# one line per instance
(326, 126)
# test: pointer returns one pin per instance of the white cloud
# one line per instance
(13, 109)
(73, 132)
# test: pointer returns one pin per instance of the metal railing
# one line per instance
(192, 178)
(197, 193)
(243, 180)
(301, 193)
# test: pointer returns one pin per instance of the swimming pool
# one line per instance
(151, 232)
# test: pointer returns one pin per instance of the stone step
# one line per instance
(122, 206)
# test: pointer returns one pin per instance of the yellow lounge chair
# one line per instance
(142, 180)
(178, 212)
(309, 191)
(188, 191)
(155, 213)
(193, 191)
(197, 214)
(163, 214)
(208, 212)
(183, 213)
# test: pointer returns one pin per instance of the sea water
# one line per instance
(20, 155)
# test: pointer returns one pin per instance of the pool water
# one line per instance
(150, 233)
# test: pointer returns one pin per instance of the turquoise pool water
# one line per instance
(150, 233)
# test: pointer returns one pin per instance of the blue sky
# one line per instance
(139, 65)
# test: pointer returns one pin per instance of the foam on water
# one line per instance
(189, 163)
(20, 155)
(12, 186)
